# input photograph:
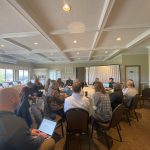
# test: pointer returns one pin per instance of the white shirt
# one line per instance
(77, 101)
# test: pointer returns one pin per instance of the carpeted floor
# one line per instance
(135, 137)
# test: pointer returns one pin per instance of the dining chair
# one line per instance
(131, 108)
(114, 122)
(77, 124)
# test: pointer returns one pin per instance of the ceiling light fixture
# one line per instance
(75, 41)
(106, 52)
(118, 39)
(36, 43)
(66, 7)
(78, 53)
(2, 45)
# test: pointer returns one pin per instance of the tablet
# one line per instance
(47, 126)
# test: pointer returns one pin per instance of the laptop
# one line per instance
(47, 126)
(106, 85)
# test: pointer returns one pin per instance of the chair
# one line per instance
(132, 107)
(145, 94)
(114, 122)
(77, 123)
(52, 114)
(37, 113)
(23, 111)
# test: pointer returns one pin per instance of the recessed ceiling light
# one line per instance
(2, 45)
(66, 7)
(78, 53)
(75, 41)
(36, 43)
(106, 52)
(118, 39)
(78, 58)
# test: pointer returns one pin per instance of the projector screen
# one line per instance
(103, 73)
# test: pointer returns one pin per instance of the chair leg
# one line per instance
(128, 118)
(89, 143)
(106, 138)
(136, 116)
(143, 101)
(66, 142)
(119, 134)
(92, 128)
(62, 130)
(119, 126)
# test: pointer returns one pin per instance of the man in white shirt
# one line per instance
(77, 100)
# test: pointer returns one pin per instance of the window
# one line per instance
(54, 74)
(2, 75)
(9, 75)
(21, 75)
(24, 75)
(6, 75)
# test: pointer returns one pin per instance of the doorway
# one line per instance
(134, 73)
(80, 73)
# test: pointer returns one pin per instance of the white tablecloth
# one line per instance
(90, 91)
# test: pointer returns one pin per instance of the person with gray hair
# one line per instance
(14, 132)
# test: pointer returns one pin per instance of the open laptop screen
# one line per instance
(106, 85)
(47, 126)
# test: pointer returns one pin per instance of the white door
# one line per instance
(133, 72)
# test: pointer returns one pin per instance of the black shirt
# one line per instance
(15, 135)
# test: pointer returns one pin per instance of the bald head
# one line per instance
(9, 97)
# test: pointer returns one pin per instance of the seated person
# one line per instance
(84, 84)
(14, 133)
(96, 80)
(111, 82)
(61, 84)
(37, 86)
(54, 91)
(117, 96)
(47, 84)
(27, 91)
(76, 100)
(68, 90)
(130, 91)
(102, 104)
(56, 100)
(69, 82)
(25, 95)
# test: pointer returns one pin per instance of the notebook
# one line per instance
(47, 126)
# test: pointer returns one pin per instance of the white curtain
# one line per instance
(103, 73)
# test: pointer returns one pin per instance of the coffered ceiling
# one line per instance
(39, 31)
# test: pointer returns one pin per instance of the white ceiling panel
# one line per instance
(108, 39)
(130, 12)
(93, 24)
(55, 18)
(84, 40)
(78, 54)
(30, 42)
(11, 21)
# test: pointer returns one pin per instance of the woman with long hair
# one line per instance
(102, 104)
